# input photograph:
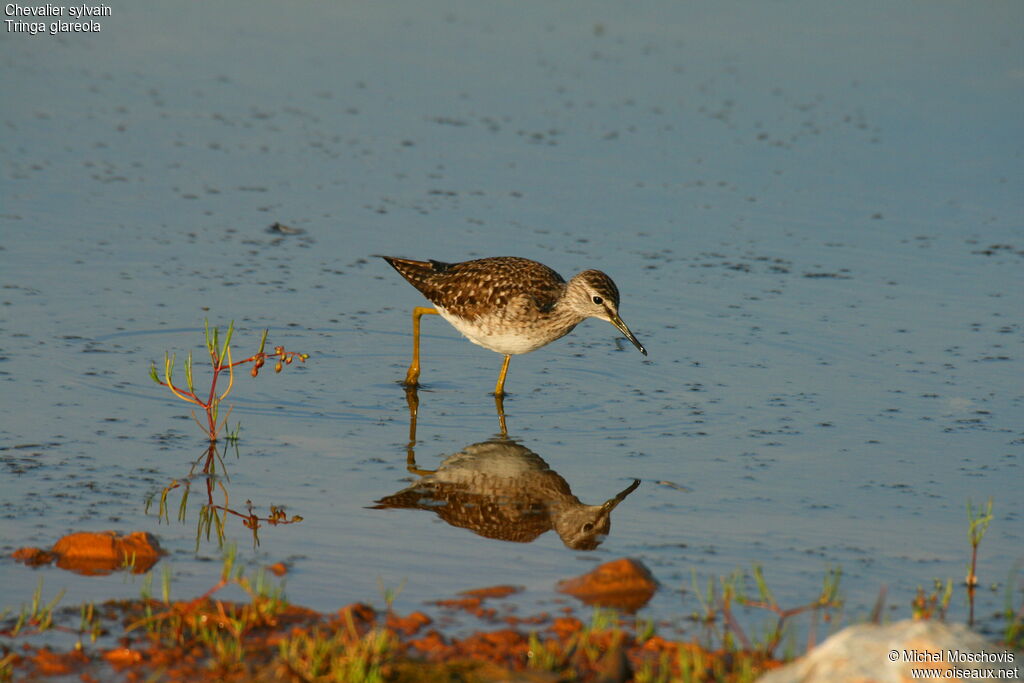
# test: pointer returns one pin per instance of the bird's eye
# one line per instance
(598, 300)
(589, 526)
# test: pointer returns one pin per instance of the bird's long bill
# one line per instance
(612, 502)
(617, 321)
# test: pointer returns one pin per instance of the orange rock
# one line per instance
(278, 569)
(625, 584)
(122, 657)
(143, 547)
(104, 552)
(33, 557)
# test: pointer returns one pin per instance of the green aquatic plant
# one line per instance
(389, 594)
(932, 605)
(266, 600)
(717, 603)
(36, 616)
(220, 361)
(977, 527)
(344, 654)
(89, 623)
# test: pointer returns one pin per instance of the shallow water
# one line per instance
(813, 212)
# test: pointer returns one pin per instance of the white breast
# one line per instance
(491, 336)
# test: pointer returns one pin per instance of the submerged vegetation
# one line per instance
(265, 638)
(718, 616)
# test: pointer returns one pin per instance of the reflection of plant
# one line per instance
(220, 360)
(213, 515)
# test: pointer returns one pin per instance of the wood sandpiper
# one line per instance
(508, 304)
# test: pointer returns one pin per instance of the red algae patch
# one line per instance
(563, 627)
(473, 606)
(268, 639)
(433, 644)
(472, 601)
(625, 584)
(93, 553)
(49, 663)
(492, 592)
(408, 625)
(468, 604)
(278, 569)
(357, 612)
(505, 646)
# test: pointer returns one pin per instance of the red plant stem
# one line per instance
(184, 392)
(972, 582)
(218, 367)
(734, 626)
(209, 401)
(252, 517)
(812, 632)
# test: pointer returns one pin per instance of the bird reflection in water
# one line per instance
(500, 489)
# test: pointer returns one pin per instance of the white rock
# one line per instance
(868, 653)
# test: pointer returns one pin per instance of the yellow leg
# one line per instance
(413, 399)
(499, 404)
(413, 375)
(499, 388)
